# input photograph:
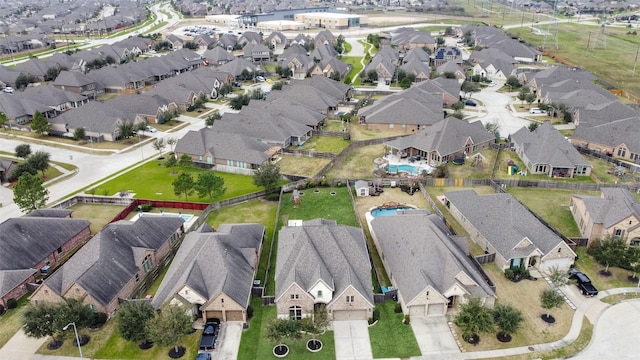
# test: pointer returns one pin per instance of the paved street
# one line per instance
(497, 107)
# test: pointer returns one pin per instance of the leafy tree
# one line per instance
(533, 126)
(335, 76)
(609, 251)
(633, 259)
(558, 278)
(405, 83)
(267, 176)
(140, 127)
(513, 82)
(133, 317)
(42, 319)
(22, 81)
(457, 114)
(39, 161)
(277, 85)
(21, 168)
(3, 119)
(126, 129)
(474, 318)
(441, 171)
(23, 151)
(550, 299)
(185, 161)
(440, 41)
(171, 141)
(75, 310)
(507, 318)
(169, 326)
(522, 94)
(191, 45)
(448, 75)
(40, 124)
(53, 72)
(29, 193)
(257, 94)
(210, 184)
(225, 89)
(467, 38)
(371, 76)
(458, 106)
(469, 87)
(171, 162)
(183, 184)
(238, 102)
(79, 133)
(212, 118)
(493, 128)
(530, 98)
(158, 144)
(315, 324)
(449, 31)
(278, 329)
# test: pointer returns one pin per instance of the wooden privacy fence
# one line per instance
(486, 258)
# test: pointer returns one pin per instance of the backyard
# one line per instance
(301, 165)
(472, 168)
(357, 163)
(98, 215)
(157, 184)
(330, 144)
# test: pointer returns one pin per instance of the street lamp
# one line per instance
(75, 330)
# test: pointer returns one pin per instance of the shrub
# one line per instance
(146, 207)
(272, 197)
(376, 315)
(311, 184)
(397, 309)
(407, 319)
(12, 303)
(97, 320)
(508, 273)
(249, 312)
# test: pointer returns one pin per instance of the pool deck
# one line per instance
(187, 224)
(397, 160)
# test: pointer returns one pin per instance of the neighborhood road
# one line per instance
(499, 111)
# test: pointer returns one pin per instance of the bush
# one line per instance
(407, 319)
(508, 273)
(146, 207)
(376, 315)
(249, 312)
(97, 320)
(272, 197)
(397, 309)
(12, 304)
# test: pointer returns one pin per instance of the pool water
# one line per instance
(387, 211)
(413, 170)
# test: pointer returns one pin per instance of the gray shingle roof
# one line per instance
(94, 116)
(502, 220)
(9, 279)
(420, 252)
(596, 114)
(614, 133)
(218, 55)
(72, 78)
(449, 66)
(51, 213)
(546, 145)
(224, 146)
(113, 256)
(613, 206)
(336, 254)
(211, 263)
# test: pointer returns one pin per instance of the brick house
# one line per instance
(32, 244)
(323, 265)
(114, 263)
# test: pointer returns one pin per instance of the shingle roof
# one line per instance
(9, 279)
(93, 116)
(420, 253)
(546, 145)
(51, 213)
(224, 145)
(614, 133)
(615, 205)
(218, 54)
(597, 114)
(335, 254)
(449, 66)
(51, 96)
(72, 78)
(211, 263)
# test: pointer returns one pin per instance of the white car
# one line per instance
(492, 84)
(536, 111)
(260, 78)
(150, 129)
(8, 89)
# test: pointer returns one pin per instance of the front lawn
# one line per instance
(153, 181)
(390, 337)
(11, 321)
(588, 265)
(98, 340)
(330, 144)
(254, 344)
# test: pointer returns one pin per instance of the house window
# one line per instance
(622, 152)
(137, 277)
(59, 250)
(319, 293)
(350, 298)
(559, 249)
(635, 242)
(172, 239)
(617, 233)
(295, 313)
(147, 264)
(295, 296)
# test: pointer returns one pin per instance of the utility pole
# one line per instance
(588, 43)
(633, 72)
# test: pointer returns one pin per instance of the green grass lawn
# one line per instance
(354, 61)
(618, 279)
(98, 215)
(301, 165)
(314, 205)
(151, 181)
(254, 344)
(347, 47)
(390, 337)
(330, 144)
(11, 321)
(254, 211)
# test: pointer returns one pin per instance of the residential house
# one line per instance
(237, 66)
(445, 141)
(219, 289)
(323, 37)
(409, 38)
(117, 80)
(176, 42)
(452, 67)
(57, 99)
(615, 213)
(228, 41)
(33, 244)
(297, 60)
(323, 265)
(416, 54)
(310, 94)
(618, 138)
(34, 67)
(150, 108)
(301, 39)
(78, 83)
(494, 38)
(500, 224)
(277, 41)
(429, 266)
(20, 110)
(596, 114)
(546, 151)
(115, 264)
(447, 53)
(250, 37)
(231, 152)
(556, 74)
(64, 61)
(417, 68)
(6, 166)
(218, 56)
(256, 52)
(492, 63)
(384, 64)
(205, 41)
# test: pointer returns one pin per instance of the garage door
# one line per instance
(435, 309)
(416, 310)
(214, 315)
(561, 264)
(349, 315)
(234, 315)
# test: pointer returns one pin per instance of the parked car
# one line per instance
(209, 335)
(536, 111)
(261, 78)
(492, 84)
(8, 89)
(470, 102)
(203, 356)
(150, 129)
(584, 283)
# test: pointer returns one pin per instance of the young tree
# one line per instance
(493, 128)
(210, 184)
(513, 82)
(267, 176)
(278, 329)
(530, 98)
(169, 326)
(550, 299)
(3, 119)
(212, 118)
(225, 89)
(522, 94)
(39, 161)
(171, 142)
(29, 194)
(474, 319)
(533, 126)
(133, 317)
(508, 320)
(171, 162)
(158, 144)
(79, 133)
(469, 87)
(185, 161)
(277, 85)
(75, 310)
(23, 151)
(405, 83)
(42, 319)
(40, 124)
(633, 259)
(126, 129)
(183, 185)
(557, 277)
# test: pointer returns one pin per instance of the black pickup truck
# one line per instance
(583, 282)
(209, 335)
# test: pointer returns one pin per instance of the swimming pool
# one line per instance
(413, 170)
(388, 211)
(184, 217)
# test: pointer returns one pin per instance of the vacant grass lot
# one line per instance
(329, 144)
(390, 337)
(301, 166)
(360, 132)
(358, 163)
(552, 206)
(255, 345)
(98, 215)
(151, 181)
(11, 321)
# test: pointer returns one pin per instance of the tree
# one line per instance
(238, 102)
(191, 45)
(530, 98)
(609, 251)
(405, 83)
(171, 162)
(212, 118)
(210, 184)
(469, 87)
(75, 310)
(29, 194)
(158, 144)
(185, 161)
(372, 76)
(550, 299)
(169, 326)
(493, 128)
(458, 106)
(315, 324)
(474, 319)
(3, 119)
(21, 168)
(183, 184)
(533, 126)
(42, 319)
(513, 82)
(278, 329)
(267, 176)
(522, 94)
(507, 318)
(126, 129)
(171, 141)
(558, 278)
(79, 133)
(335, 76)
(40, 124)
(39, 161)
(277, 85)
(257, 94)
(457, 114)
(225, 89)
(23, 151)
(440, 41)
(133, 317)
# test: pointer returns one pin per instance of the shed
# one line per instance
(362, 188)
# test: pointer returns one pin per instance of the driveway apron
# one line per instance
(352, 340)
(433, 335)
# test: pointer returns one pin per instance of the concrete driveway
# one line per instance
(352, 340)
(616, 333)
(434, 336)
(228, 342)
